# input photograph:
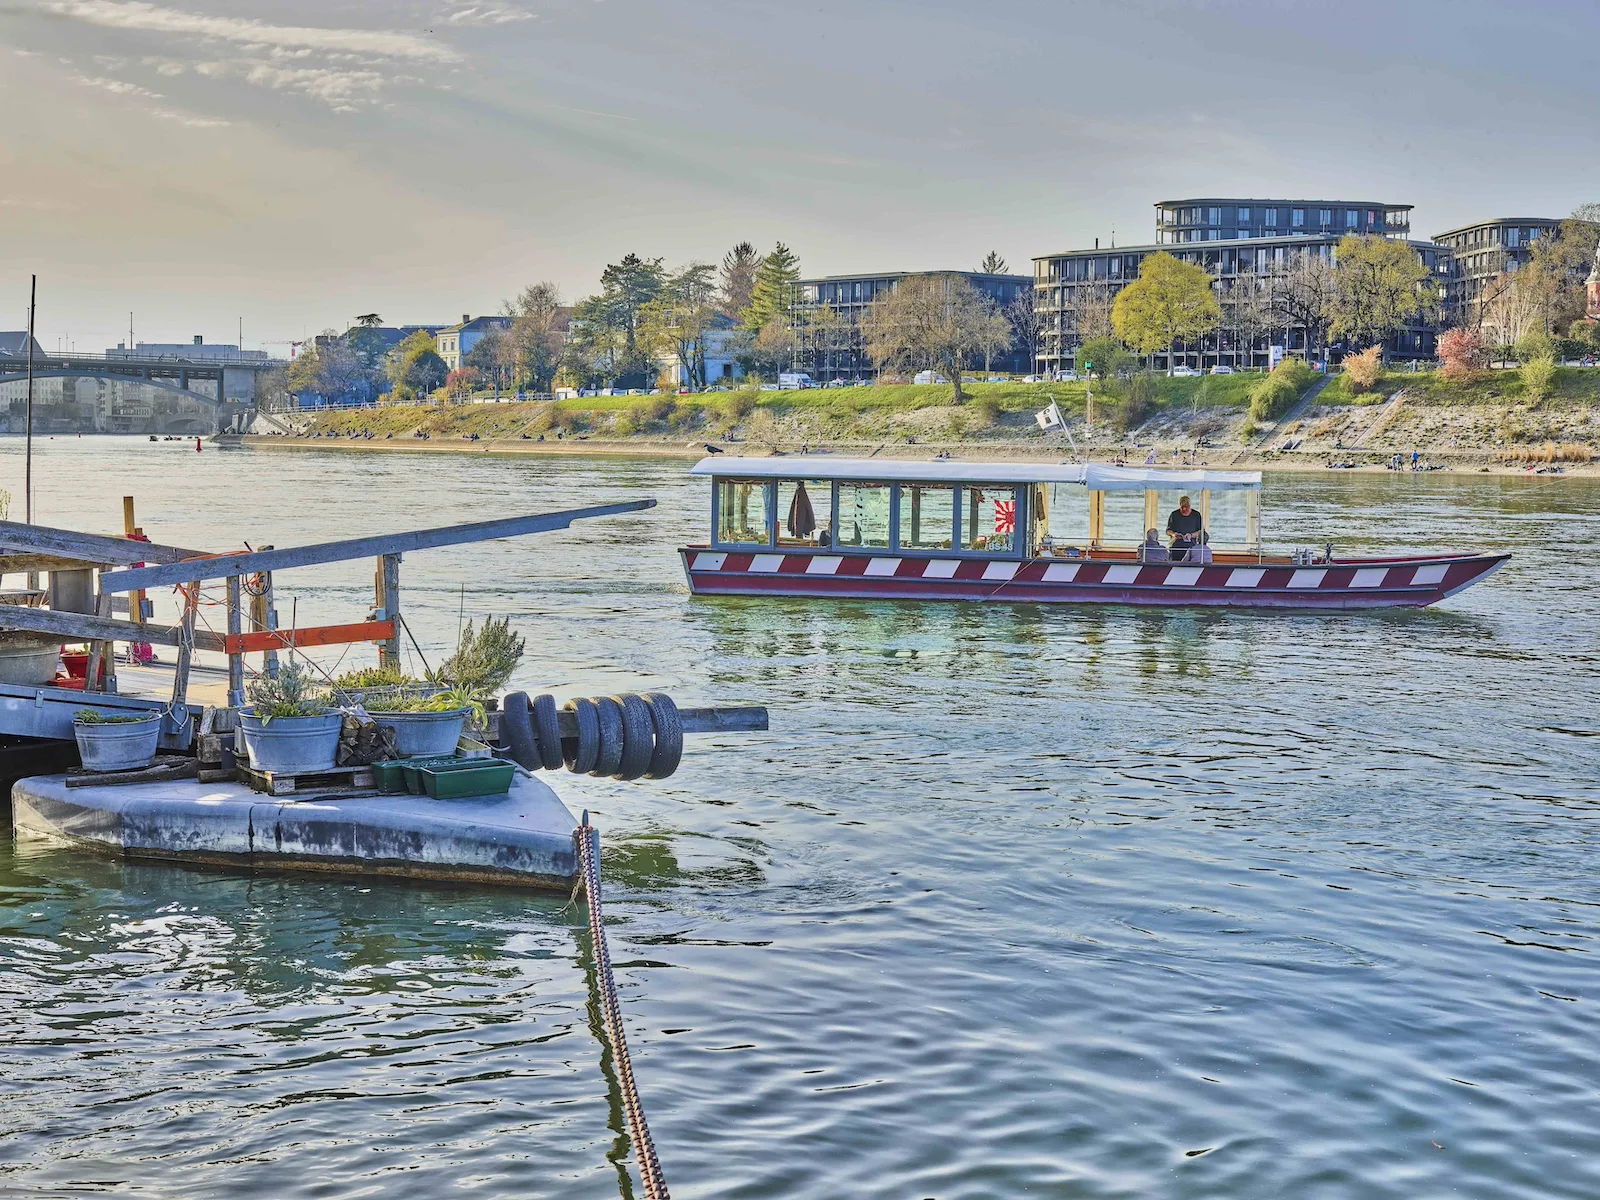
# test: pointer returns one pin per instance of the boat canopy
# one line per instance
(1150, 479)
(880, 470)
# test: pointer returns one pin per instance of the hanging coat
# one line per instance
(802, 521)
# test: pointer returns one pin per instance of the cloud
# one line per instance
(151, 18)
(117, 87)
(488, 14)
(344, 89)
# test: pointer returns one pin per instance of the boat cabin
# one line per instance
(993, 511)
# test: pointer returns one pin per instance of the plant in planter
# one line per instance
(115, 742)
(485, 659)
(428, 725)
(290, 727)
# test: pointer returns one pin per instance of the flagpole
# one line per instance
(27, 477)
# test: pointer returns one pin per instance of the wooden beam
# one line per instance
(86, 547)
(317, 635)
(752, 719)
(223, 565)
(11, 564)
(82, 627)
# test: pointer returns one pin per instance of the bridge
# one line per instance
(131, 392)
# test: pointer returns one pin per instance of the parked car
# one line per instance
(1184, 373)
(772, 387)
(837, 383)
(923, 377)
(1033, 379)
(1066, 377)
(1222, 370)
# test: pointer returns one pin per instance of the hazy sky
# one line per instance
(297, 163)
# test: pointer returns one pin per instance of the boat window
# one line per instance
(927, 516)
(863, 514)
(989, 519)
(742, 511)
(1067, 515)
(804, 512)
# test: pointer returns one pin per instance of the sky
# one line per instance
(288, 165)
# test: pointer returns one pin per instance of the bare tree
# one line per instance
(534, 341)
(1027, 326)
(936, 321)
(1091, 307)
(1305, 293)
(1248, 310)
(737, 278)
(1511, 309)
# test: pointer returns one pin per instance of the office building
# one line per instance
(1211, 219)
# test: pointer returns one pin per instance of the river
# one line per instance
(1011, 901)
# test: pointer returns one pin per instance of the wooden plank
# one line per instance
(317, 635)
(223, 565)
(751, 719)
(83, 627)
(164, 768)
(13, 564)
(87, 547)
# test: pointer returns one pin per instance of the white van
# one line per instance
(795, 379)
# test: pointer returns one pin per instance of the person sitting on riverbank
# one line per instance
(1184, 527)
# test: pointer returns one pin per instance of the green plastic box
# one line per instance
(457, 779)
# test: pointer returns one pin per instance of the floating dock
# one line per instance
(522, 838)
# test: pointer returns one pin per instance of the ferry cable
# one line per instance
(587, 838)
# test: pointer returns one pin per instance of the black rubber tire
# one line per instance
(586, 746)
(548, 731)
(516, 730)
(610, 756)
(638, 736)
(668, 752)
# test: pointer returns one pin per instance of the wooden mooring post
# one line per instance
(387, 594)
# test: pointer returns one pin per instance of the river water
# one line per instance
(1011, 901)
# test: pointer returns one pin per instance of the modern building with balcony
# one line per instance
(1484, 254)
(849, 296)
(1071, 283)
(1213, 219)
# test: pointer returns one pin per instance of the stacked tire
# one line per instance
(628, 736)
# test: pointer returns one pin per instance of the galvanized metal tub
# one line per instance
(291, 745)
(118, 745)
(424, 733)
(28, 657)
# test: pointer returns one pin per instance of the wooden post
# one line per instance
(264, 617)
(1252, 520)
(389, 605)
(180, 674)
(130, 528)
(1152, 505)
(101, 672)
(235, 661)
(1205, 518)
(1097, 519)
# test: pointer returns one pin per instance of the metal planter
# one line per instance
(291, 745)
(118, 745)
(424, 733)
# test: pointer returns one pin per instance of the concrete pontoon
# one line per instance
(522, 838)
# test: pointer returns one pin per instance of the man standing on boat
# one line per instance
(1184, 528)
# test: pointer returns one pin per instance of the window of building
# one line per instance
(1244, 233)
(1244, 216)
(864, 515)
(742, 512)
(1324, 217)
(927, 516)
(989, 519)
(1213, 234)
(1352, 219)
(1214, 217)
(1269, 217)
(1297, 219)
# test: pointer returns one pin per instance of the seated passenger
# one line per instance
(1153, 551)
(1184, 524)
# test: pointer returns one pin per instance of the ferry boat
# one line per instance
(1030, 533)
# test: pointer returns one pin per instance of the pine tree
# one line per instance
(737, 278)
(993, 264)
(776, 290)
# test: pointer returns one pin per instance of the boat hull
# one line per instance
(1342, 585)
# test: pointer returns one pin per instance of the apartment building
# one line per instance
(1212, 219)
(1484, 255)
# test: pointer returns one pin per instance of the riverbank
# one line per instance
(1483, 425)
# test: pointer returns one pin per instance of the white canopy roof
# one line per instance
(1151, 479)
(944, 470)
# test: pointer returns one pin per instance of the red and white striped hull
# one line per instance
(1349, 584)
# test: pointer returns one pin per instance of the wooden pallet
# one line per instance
(167, 766)
(335, 781)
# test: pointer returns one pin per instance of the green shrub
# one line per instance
(1276, 393)
(486, 658)
(292, 694)
(1538, 373)
(1532, 345)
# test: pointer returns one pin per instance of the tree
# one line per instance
(775, 293)
(996, 336)
(824, 334)
(328, 369)
(1364, 369)
(462, 382)
(1557, 267)
(1380, 286)
(369, 321)
(676, 321)
(628, 286)
(534, 340)
(992, 264)
(1461, 352)
(1170, 302)
(1027, 326)
(272, 389)
(1091, 309)
(414, 366)
(493, 356)
(1250, 312)
(1103, 358)
(1303, 293)
(736, 279)
(928, 321)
